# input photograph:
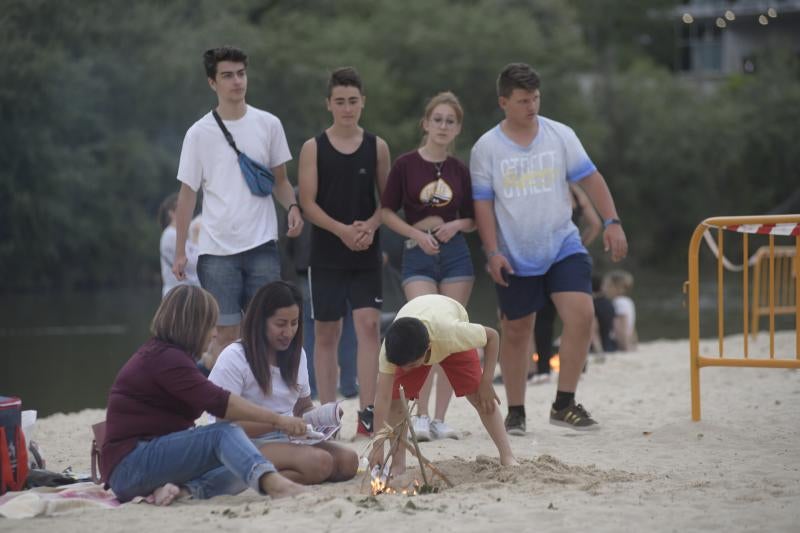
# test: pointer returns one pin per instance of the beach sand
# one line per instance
(649, 467)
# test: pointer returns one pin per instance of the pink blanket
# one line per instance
(52, 501)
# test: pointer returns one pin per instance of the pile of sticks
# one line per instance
(397, 437)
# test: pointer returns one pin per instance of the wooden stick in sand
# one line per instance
(430, 465)
(413, 435)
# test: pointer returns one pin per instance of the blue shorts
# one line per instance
(528, 294)
(234, 279)
(451, 264)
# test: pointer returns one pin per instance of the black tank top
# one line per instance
(346, 192)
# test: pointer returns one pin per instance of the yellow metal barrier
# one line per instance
(784, 279)
(693, 288)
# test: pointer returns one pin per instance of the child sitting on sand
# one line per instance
(434, 329)
(617, 285)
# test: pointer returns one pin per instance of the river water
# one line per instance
(62, 350)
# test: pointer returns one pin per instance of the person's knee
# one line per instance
(321, 467)
(580, 320)
(346, 465)
(516, 330)
(473, 399)
(227, 431)
(327, 333)
(368, 325)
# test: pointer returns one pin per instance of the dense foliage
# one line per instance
(97, 97)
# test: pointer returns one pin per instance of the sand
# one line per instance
(648, 468)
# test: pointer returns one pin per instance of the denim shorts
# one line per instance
(451, 264)
(269, 438)
(234, 279)
(528, 294)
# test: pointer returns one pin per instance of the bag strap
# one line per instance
(225, 131)
(99, 431)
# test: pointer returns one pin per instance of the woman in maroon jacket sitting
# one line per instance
(152, 447)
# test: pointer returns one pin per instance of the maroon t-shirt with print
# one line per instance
(413, 186)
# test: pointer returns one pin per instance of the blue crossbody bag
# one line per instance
(259, 178)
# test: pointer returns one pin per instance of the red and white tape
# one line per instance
(766, 229)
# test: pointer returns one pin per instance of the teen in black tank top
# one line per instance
(346, 188)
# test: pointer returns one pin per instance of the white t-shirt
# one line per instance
(234, 220)
(530, 191)
(624, 306)
(167, 250)
(232, 372)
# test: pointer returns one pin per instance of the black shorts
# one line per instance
(528, 294)
(332, 288)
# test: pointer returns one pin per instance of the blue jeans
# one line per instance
(347, 345)
(207, 460)
(234, 279)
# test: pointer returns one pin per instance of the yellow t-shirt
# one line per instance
(449, 328)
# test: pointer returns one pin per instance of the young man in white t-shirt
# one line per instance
(238, 241)
(521, 170)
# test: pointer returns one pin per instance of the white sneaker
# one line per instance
(440, 430)
(422, 428)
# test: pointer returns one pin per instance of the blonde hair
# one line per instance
(448, 98)
(185, 318)
(620, 280)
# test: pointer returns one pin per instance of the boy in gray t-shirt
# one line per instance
(521, 171)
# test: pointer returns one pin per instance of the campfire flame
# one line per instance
(554, 361)
(380, 485)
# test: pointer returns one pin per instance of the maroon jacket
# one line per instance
(158, 391)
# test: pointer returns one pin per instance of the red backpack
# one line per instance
(13, 449)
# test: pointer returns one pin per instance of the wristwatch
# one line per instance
(607, 222)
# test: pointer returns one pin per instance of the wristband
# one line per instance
(607, 222)
(294, 205)
(491, 254)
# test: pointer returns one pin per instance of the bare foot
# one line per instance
(509, 461)
(277, 486)
(164, 495)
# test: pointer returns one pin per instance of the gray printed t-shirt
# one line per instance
(530, 190)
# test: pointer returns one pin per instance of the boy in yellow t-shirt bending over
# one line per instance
(433, 329)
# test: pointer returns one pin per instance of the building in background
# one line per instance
(720, 37)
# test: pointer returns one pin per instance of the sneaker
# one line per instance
(515, 423)
(422, 428)
(440, 430)
(365, 418)
(573, 416)
(539, 379)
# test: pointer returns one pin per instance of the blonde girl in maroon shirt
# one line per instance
(434, 190)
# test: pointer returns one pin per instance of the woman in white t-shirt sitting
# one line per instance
(267, 366)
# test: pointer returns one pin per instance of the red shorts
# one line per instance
(463, 370)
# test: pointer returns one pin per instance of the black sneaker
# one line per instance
(365, 419)
(573, 416)
(515, 423)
